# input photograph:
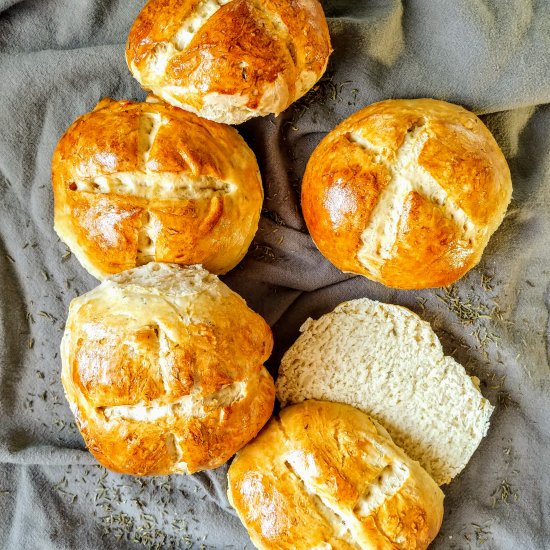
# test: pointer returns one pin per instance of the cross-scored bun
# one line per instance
(141, 182)
(406, 192)
(163, 370)
(229, 60)
(324, 475)
(386, 361)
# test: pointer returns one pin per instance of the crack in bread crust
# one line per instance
(407, 176)
(164, 51)
(385, 485)
(203, 11)
(154, 185)
(335, 519)
(193, 404)
(149, 184)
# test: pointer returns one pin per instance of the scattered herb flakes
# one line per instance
(475, 307)
(9, 258)
(45, 275)
(47, 315)
(495, 381)
(67, 255)
(504, 494)
(468, 311)
(60, 424)
(421, 303)
(273, 216)
(61, 488)
(486, 282)
(505, 400)
(481, 533)
(263, 253)
(30, 343)
(324, 91)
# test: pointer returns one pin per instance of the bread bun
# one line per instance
(137, 182)
(406, 193)
(387, 362)
(324, 475)
(229, 60)
(163, 370)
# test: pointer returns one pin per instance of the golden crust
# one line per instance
(229, 60)
(325, 474)
(454, 182)
(166, 380)
(136, 182)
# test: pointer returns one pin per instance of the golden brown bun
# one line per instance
(406, 192)
(324, 475)
(137, 182)
(229, 60)
(163, 370)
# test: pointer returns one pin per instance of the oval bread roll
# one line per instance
(406, 193)
(324, 475)
(229, 60)
(141, 182)
(163, 370)
(384, 360)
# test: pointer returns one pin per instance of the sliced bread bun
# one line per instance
(384, 360)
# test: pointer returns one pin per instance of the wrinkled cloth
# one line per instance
(59, 57)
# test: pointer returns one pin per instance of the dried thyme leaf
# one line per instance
(262, 252)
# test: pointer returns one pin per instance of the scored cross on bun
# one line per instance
(163, 370)
(229, 60)
(406, 192)
(141, 182)
(324, 475)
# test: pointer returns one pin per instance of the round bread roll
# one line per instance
(163, 370)
(141, 182)
(324, 475)
(229, 60)
(406, 193)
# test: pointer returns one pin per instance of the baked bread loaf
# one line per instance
(229, 60)
(163, 370)
(324, 475)
(386, 361)
(141, 182)
(406, 193)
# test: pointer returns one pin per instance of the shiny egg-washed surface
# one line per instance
(163, 370)
(140, 182)
(324, 475)
(229, 60)
(406, 192)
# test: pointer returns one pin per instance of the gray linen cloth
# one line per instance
(59, 57)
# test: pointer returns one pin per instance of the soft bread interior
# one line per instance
(386, 361)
